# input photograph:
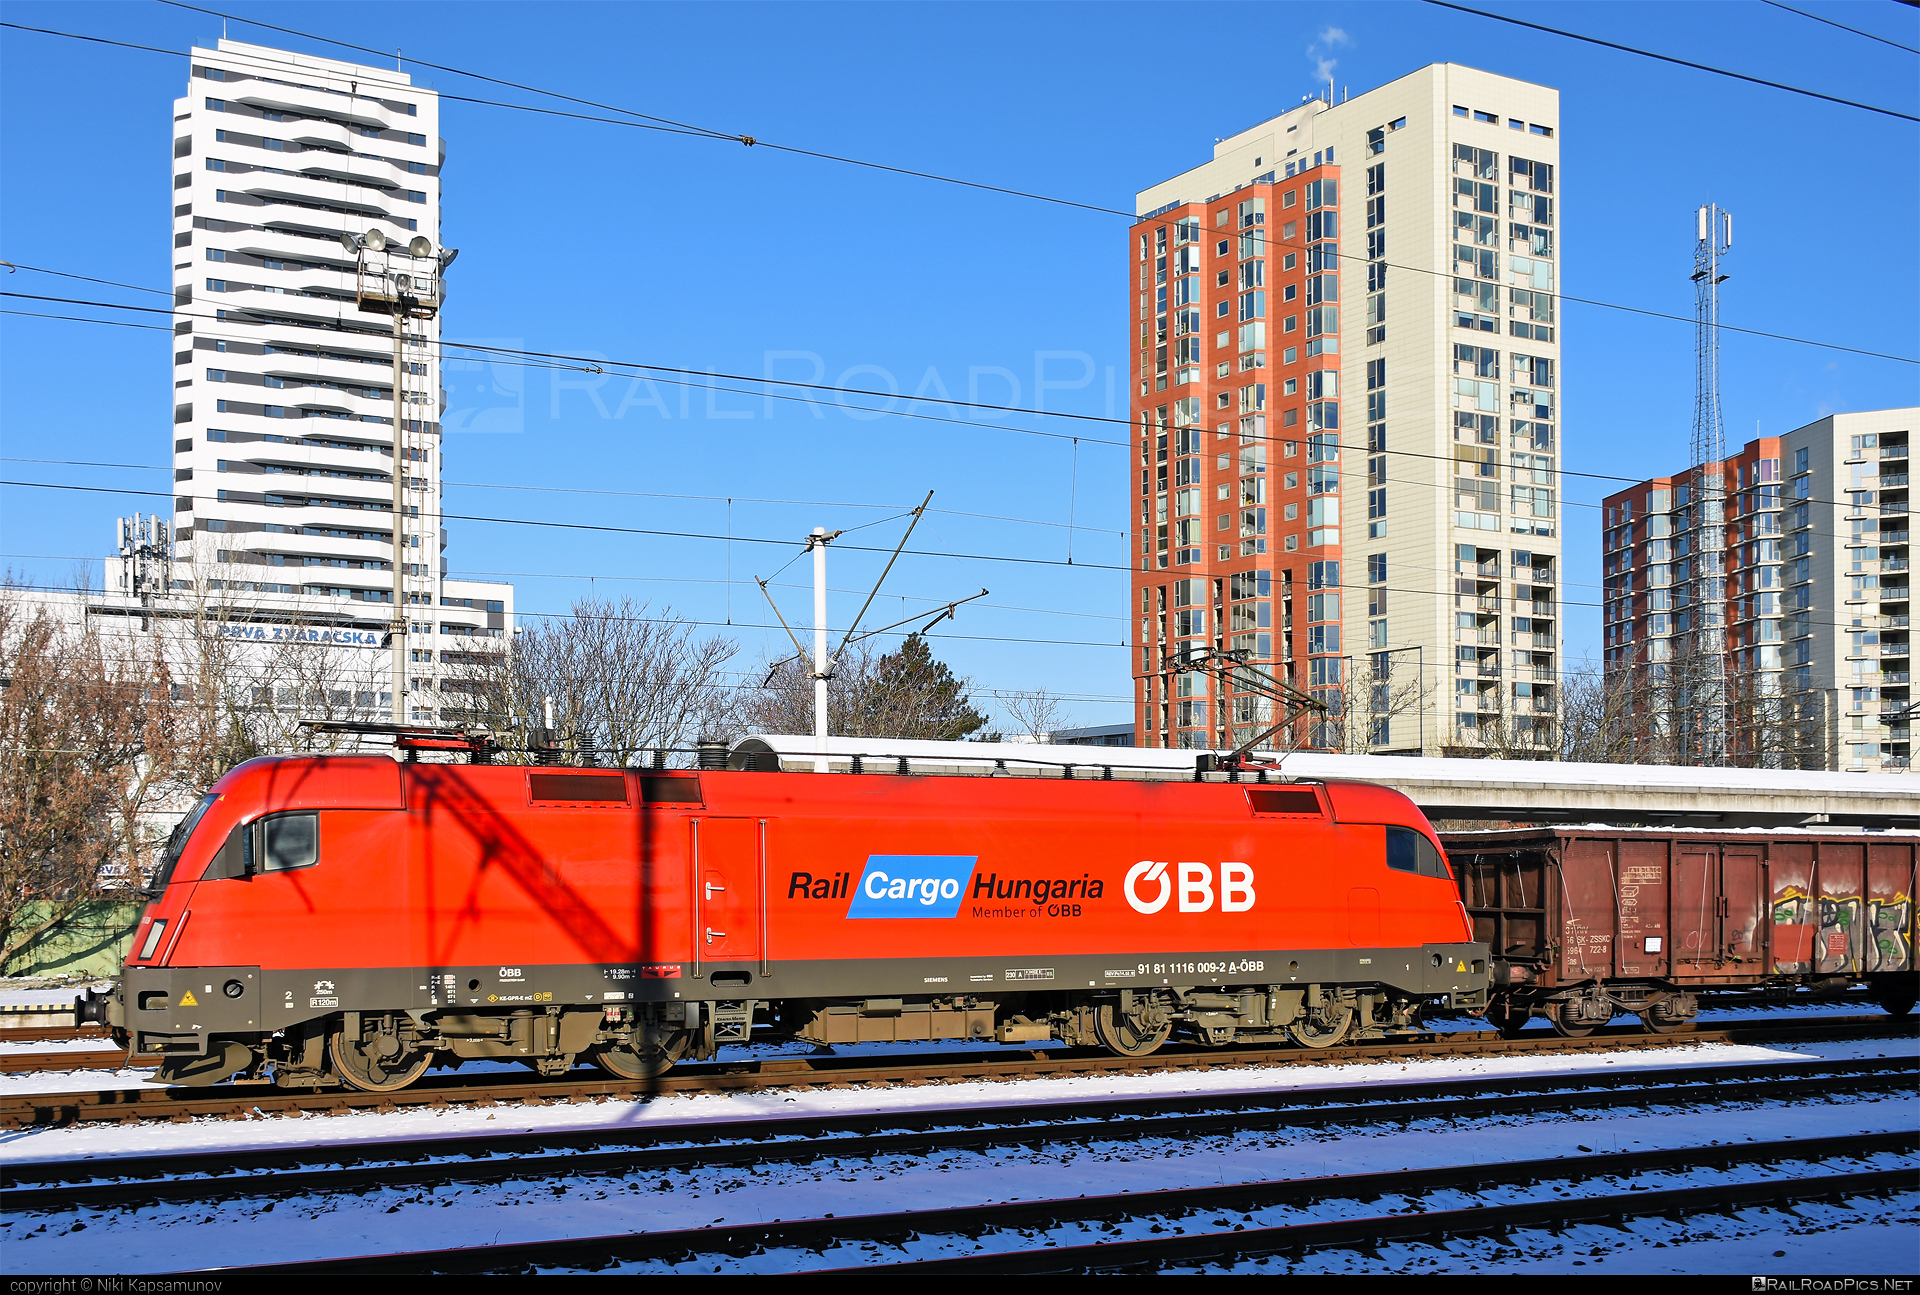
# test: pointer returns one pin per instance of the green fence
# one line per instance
(90, 941)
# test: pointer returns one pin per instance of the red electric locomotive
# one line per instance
(355, 919)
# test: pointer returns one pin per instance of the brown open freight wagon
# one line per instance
(1588, 922)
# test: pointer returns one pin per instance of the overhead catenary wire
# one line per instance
(1268, 438)
(1668, 58)
(1343, 586)
(1443, 486)
(468, 573)
(1842, 26)
(709, 132)
(703, 379)
(1093, 207)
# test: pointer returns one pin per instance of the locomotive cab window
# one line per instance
(1409, 851)
(279, 844)
(288, 842)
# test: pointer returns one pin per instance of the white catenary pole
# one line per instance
(819, 543)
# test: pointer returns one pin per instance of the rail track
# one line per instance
(1198, 1231)
(121, 1183)
(247, 1101)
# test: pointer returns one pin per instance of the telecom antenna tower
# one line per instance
(1703, 711)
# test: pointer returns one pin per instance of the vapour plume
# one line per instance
(1321, 51)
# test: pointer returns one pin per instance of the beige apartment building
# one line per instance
(1347, 404)
(1818, 657)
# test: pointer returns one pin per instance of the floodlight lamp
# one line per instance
(421, 245)
(349, 242)
(375, 240)
(447, 255)
(403, 282)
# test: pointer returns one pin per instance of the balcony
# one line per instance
(1896, 564)
(1893, 451)
(1892, 480)
(1890, 677)
(1893, 537)
(1896, 649)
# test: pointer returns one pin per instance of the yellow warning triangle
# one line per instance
(1461, 967)
(188, 1000)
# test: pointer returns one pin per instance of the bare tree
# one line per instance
(77, 720)
(1038, 713)
(623, 681)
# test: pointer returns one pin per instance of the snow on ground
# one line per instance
(65, 1081)
(294, 1229)
(39, 995)
(665, 1113)
(97, 1043)
(1815, 1239)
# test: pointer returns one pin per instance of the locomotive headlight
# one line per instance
(152, 941)
(233, 989)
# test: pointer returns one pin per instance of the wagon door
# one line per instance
(1889, 915)
(1742, 905)
(729, 891)
(1695, 896)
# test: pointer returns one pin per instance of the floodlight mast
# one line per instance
(413, 293)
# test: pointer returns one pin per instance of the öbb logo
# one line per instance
(1196, 886)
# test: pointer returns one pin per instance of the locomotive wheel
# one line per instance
(649, 1063)
(360, 1065)
(1120, 1035)
(1323, 1028)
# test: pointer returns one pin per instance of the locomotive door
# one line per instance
(729, 892)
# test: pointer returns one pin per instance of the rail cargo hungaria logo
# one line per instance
(912, 885)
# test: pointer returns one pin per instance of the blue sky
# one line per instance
(594, 239)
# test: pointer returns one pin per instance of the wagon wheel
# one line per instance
(1650, 1019)
(1121, 1035)
(1896, 1002)
(1322, 1028)
(362, 1064)
(1508, 1017)
(647, 1062)
(1556, 1015)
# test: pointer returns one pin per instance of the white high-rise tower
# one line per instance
(284, 390)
